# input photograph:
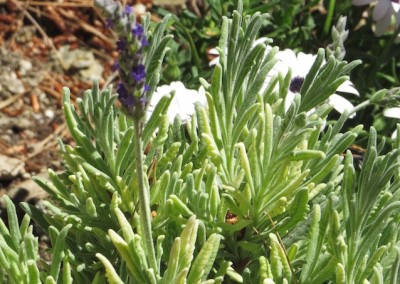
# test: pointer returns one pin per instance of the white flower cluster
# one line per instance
(184, 99)
(300, 64)
(182, 103)
(383, 12)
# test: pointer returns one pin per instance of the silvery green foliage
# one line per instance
(339, 35)
(244, 193)
(19, 258)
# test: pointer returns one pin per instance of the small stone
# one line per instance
(29, 133)
(10, 168)
(10, 81)
(26, 175)
(21, 123)
(38, 117)
(49, 114)
(24, 67)
(93, 72)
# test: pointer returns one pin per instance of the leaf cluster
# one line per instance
(245, 192)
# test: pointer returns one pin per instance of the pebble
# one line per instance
(49, 114)
(10, 81)
(10, 168)
(24, 67)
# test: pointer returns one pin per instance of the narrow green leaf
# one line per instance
(33, 272)
(173, 262)
(188, 237)
(111, 274)
(312, 241)
(300, 155)
(58, 253)
(132, 264)
(202, 264)
(12, 222)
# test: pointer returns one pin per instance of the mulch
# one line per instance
(45, 46)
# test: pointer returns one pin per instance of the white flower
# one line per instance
(300, 65)
(182, 103)
(214, 54)
(393, 112)
(383, 12)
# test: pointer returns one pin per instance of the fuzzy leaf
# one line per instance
(204, 260)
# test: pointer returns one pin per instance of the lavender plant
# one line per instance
(244, 192)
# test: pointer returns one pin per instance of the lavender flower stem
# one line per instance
(144, 199)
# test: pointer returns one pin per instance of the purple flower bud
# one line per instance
(121, 44)
(143, 100)
(129, 102)
(144, 41)
(122, 91)
(124, 97)
(296, 83)
(138, 30)
(115, 66)
(128, 9)
(109, 23)
(146, 88)
(139, 72)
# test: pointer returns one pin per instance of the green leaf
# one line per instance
(15, 234)
(204, 260)
(132, 263)
(312, 241)
(58, 253)
(173, 262)
(111, 274)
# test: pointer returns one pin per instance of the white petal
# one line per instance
(396, 7)
(182, 103)
(177, 86)
(289, 99)
(397, 17)
(392, 112)
(261, 40)
(304, 63)
(202, 99)
(348, 87)
(213, 51)
(394, 135)
(214, 61)
(285, 58)
(381, 10)
(340, 104)
(382, 25)
(279, 67)
(361, 2)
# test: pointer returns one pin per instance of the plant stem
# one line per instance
(328, 21)
(359, 107)
(144, 198)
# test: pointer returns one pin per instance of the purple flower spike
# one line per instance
(139, 72)
(129, 101)
(122, 91)
(109, 24)
(121, 45)
(144, 41)
(137, 30)
(128, 9)
(115, 66)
